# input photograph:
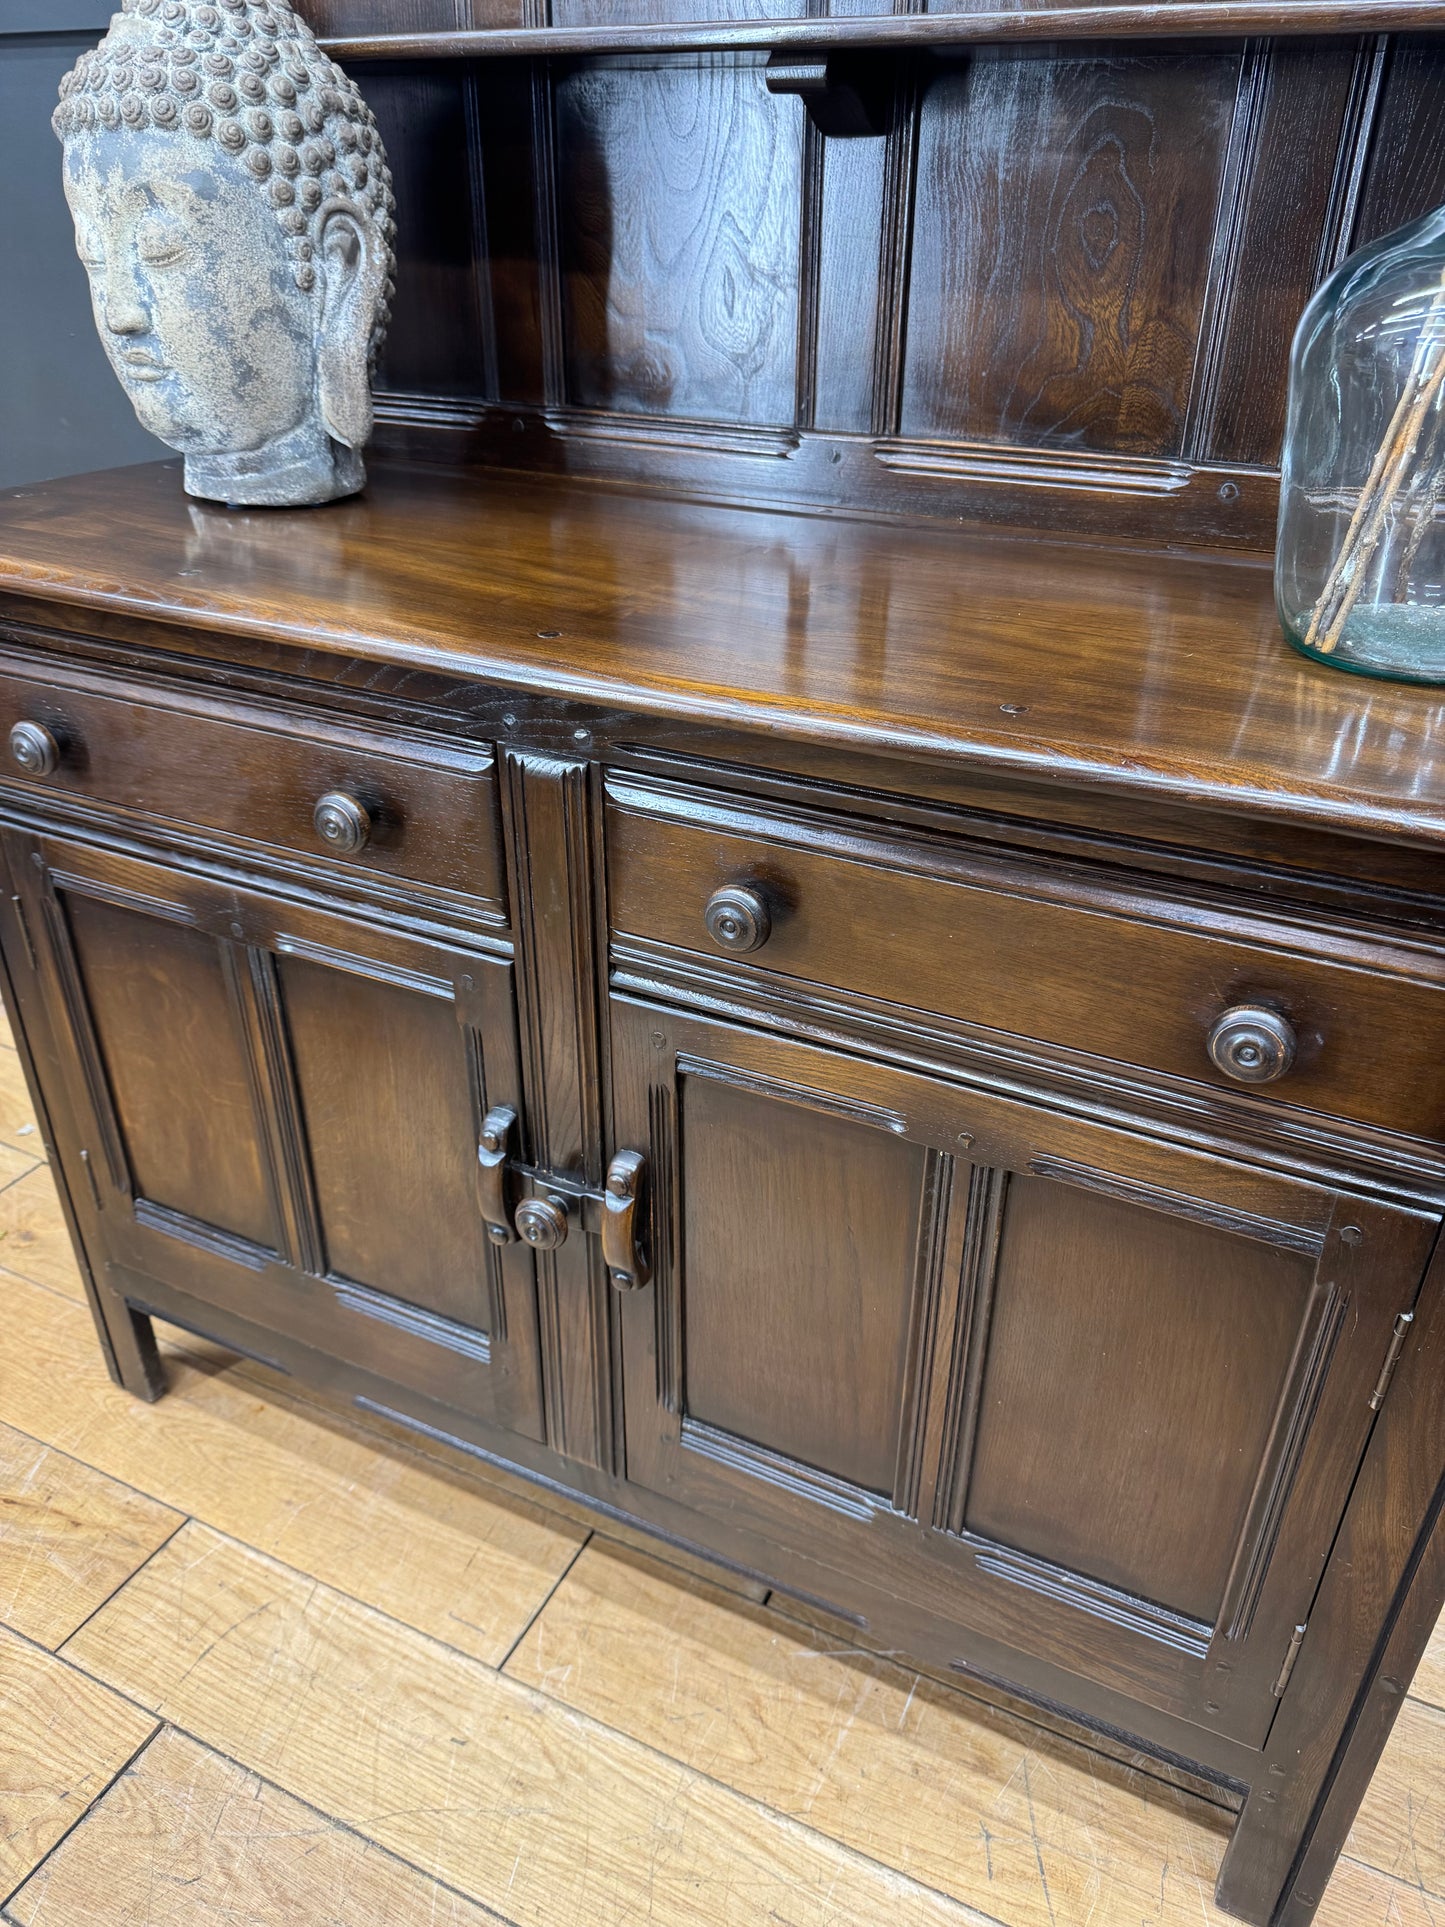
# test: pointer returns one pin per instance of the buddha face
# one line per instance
(195, 295)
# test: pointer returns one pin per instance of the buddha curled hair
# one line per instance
(249, 75)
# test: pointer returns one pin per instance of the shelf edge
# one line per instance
(1159, 20)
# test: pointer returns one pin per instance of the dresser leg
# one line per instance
(1258, 1859)
(128, 1342)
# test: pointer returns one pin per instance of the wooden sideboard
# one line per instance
(765, 931)
(810, 934)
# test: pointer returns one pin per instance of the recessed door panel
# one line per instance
(798, 1243)
(268, 1115)
(1135, 1361)
(1069, 1390)
(388, 1115)
(166, 1028)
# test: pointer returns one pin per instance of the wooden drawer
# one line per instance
(1094, 963)
(257, 775)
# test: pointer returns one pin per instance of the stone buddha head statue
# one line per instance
(233, 207)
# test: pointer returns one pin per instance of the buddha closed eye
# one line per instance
(233, 209)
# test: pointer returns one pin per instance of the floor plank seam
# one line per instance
(330, 1819)
(66, 1297)
(90, 1805)
(73, 1458)
(231, 1759)
(552, 1590)
(368, 1606)
(777, 1814)
(155, 1551)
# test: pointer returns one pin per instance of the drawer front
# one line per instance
(1044, 953)
(258, 776)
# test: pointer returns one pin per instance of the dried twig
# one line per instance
(1389, 474)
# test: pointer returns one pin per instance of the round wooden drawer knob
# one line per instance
(343, 824)
(1251, 1044)
(34, 748)
(737, 919)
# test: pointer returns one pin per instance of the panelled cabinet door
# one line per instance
(1090, 1395)
(279, 1110)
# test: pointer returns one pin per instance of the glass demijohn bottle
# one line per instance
(1360, 561)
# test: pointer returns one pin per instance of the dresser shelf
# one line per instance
(1164, 19)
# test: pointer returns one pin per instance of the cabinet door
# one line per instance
(277, 1113)
(1093, 1396)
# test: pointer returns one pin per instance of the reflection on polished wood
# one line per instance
(1151, 676)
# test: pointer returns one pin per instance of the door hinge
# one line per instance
(24, 922)
(1392, 1358)
(1298, 1640)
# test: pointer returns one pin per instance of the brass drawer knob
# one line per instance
(542, 1223)
(35, 748)
(1251, 1044)
(737, 918)
(342, 823)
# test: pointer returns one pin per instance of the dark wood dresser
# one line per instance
(765, 930)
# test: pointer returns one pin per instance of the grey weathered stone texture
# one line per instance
(233, 207)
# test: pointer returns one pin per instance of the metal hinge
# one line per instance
(24, 923)
(1278, 1689)
(1392, 1358)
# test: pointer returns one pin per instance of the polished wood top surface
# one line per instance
(1150, 674)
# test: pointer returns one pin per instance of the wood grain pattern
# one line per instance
(463, 1562)
(981, 1805)
(1283, 206)
(1073, 318)
(1429, 1682)
(69, 1537)
(1154, 677)
(175, 1066)
(798, 1259)
(34, 1241)
(1405, 170)
(448, 1764)
(18, 1128)
(1073, 1404)
(186, 1839)
(1401, 1826)
(679, 189)
(63, 1739)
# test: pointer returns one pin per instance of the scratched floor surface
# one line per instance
(260, 1664)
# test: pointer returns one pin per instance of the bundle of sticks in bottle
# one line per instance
(1396, 490)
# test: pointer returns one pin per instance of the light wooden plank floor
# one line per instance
(262, 1664)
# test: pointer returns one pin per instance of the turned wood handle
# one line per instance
(622, 1221)
(35, 748)
(737, 918)
(1252, 1044)
(342, 822)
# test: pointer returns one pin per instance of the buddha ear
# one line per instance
(353, 275)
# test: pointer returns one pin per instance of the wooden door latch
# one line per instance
(541, 1208)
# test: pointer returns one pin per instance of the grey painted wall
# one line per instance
(61, 408)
